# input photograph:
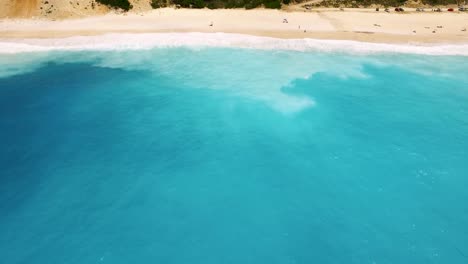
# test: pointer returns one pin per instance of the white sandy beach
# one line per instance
(352, 24)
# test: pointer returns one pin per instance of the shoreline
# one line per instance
(361, 25)
(197, 40)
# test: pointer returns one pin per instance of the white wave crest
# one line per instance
(161, 40)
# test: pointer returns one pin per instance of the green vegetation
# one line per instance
(160, 3)
(441, 2)
(157, 4)
(274, 4)
(214, 4)
(122, 4)
(386, 3)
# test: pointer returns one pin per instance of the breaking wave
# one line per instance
(155, 40)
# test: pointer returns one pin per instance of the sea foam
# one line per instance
(263, 77)
(164, 40)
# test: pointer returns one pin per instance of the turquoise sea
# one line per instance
(225, 155)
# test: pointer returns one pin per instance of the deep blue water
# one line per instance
(233, 156)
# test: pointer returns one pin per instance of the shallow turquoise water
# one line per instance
(233, 156)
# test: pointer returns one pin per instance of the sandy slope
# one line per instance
(60, 9)
(362, 25)
(25, 8)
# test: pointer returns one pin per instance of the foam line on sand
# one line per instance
(126, 41)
